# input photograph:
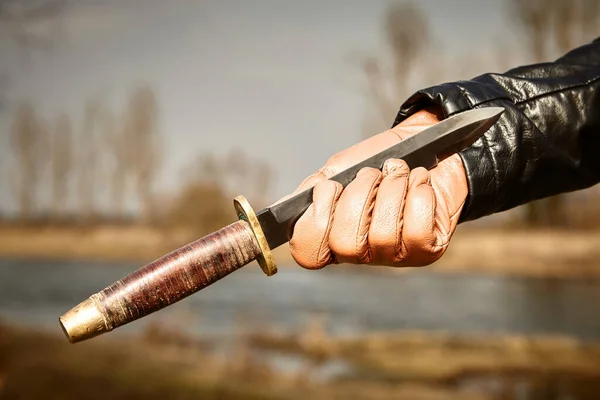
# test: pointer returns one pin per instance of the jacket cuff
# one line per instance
(481, 171)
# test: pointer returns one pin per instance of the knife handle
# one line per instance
(163, 282)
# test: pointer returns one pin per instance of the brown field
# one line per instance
(400, 365)
(513, 252)
(107, 243)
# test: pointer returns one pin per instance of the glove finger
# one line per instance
(449, 182)
(309, 245)
(386, 224)
(418, 235)
(350, 229)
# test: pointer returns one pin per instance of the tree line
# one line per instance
(64, 172)
(122, 154)
(61, 169)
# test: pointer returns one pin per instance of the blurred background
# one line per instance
(127, 127)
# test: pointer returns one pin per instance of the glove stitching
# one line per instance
(452, 218)
(442, 236)
(434, 203)
(368, 215)
(400, 247)
(328, 258)
(458, 210)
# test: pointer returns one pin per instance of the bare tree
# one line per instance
(21, 20)
(533, 19)
(29, 146)
(88, 158)
(62, 164)
(379, 100)
(590, 21)
(16, 20)
(204, 203)
(209, 169)
(575, 22)
(20, 17)
(142, 131)
(120, 150)
(263, 178)
(553, 27)
(248, 176)
(407, 35)
(407, 32)
(237, 166)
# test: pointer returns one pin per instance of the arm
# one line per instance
(548, 140)
(544, 144)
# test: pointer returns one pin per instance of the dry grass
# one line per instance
(511, 252)
(493, 367)
(443, 357)
(400, 365)
(109, 243)
(40, 366)
(524, 252)
(36, 365)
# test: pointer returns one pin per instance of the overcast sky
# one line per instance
(272, 76)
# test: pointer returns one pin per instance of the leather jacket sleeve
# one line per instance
(547, 141)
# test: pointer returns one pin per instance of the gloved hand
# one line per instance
(394, 217)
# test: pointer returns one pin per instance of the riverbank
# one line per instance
(541, 253)
(104, 243)
(396, 365)
(535, 253)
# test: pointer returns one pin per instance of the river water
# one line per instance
(350, 301)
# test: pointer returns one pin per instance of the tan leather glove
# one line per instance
(394, 217)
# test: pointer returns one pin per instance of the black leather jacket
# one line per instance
(546, 142)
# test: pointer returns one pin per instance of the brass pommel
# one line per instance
(82, 322)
